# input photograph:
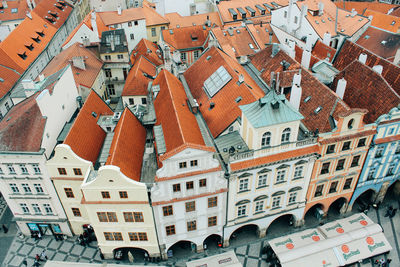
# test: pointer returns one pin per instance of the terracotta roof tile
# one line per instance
(8, 78)
(367, 89)
(384, 21)
(176, 20)
(24, 119)
(48, 10)
(127, 146)
(86, 137)
(299, 55)
(20, 13)
(136, 82)
(179, 125)
(148, 50)
(396, 11)
(360, 7)
(85, 77)
(112, 17)
(351, 51)
(262, 34)
(152, 17)
(323, 51)
(226, 110)
(185, 38)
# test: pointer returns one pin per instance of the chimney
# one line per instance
(296, 91)
(396, 60)
(378, 69)
(208, 22)
(305, 59)
(362, 58)
(119, 10)
(5, 4)
(289, 16)
(93, 21)
(309, 43)
(292, 52)
(275, 49)
(41, 77)
(79, 63)
(353, 13)
(327, 39)
(320, 9)
(341, 87)
(303, 14)
(270, 37)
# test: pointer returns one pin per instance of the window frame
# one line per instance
(266, 139)
(212, 202)
(62, 171)
(191, 225)
(241, 210)
(243, 184)
(190, 206)
(123, 194)
(285, 137)
(203, 182)
(168, 210)
(77, 171)
(68, 192)
(325, 170)
(346, 145)
(189, 185)
(176, 188)
(318, 192)
(76, 212)
(105, 194)
(212, 221)
(170, 230)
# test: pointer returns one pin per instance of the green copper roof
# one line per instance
(270, 110)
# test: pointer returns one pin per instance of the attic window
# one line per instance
(30, 47)
(22, 55)
(94, 114)
(238, 99)
(329, 19)
(14, 10)
(54, 14)
(393, 22)
(36, 39)
(1, 80)
(307, 99)
(208, 57)
(323, 21)
(366, 37)
(317, 110)
(194, 37)
(41, 34)
(212, 105)
(251, 46)
(59, 7)
(360, 19)
(51, 20)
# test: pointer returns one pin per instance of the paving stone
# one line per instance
(72, 258)
(44, 242)
(251, 262)
(77, 250)
(254, 250)
(25, 249)
(54, 244)
(241, 250)
(66, 247)
(59, 256)
(89, 252)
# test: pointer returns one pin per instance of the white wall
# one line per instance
(106, 5)
(82, 33)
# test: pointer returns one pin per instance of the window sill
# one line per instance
(242, 216)
(244, 191)
(291, 204)
(275, 208)
(258, 212)
(298, 178)
(263, 186)
(281, 182)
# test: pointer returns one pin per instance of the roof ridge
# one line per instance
(116, 137)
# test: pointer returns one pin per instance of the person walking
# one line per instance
(5, 229)
(24, 263)
(43, 255)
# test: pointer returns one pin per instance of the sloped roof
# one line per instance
(179, 125)
(351, 51)
(384, 21)
(262, 114)
(152, 17)
(261, 33)
(86, 137)
(186, 37)
(130, 14)
(176, 20)
(367, 89)
(360, 7)
(148, 50)
(59, 9)
(317, 94)
(237, 38)
(22, 121)
(85, 77)
(21, 8)
(136, 82)
(127, 146)
(323, 51)
(8, 78)
(226, 108)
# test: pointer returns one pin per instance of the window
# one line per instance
(24, 170)
(325, 167)
(390, 170)
(76, 212)
(397, 151)
(48, 209)
(318, 191)
(38, 188)
(212, 221)
(170, 229)
(24, 208)
(259, 206)
(280, 176)
(108, 73)
(138, 216)
(136, 22)
(162, 28)
(340, 164)
(69, 193)
(347, 183)
(139, 236)
(298, 172)
(62, 171)
(241, 211)
(371, 174)
(123, 194)
(191, 226)
(120, 56)
(330, 149)
(107, 57)
(11, 169)
(193, 163)
(1, 170)
(77, 171)
(212, 202)
(333, 187)
(133, 216)
(131, 101)
(295, 19)
(176, 187)
(355, 161)
(243, 184)
(183, 56)
(189, 185)
(132, 36)
(285, 14)
(196, 54)
(107, 216)
(266, 139)
(262, 180)
(182, 165)
(105, 194)
(167, 210)
(276, 201)
(26, 188)
(144, 101)
(292, 197)
(153, 32)
(203, 182)
(113, 236)
(379, 151)
(129, 23)
(346, 145)
(190, 206)
(14, 188)
(36, 168)
(285, 135)
(216, 81)
(111, 89)
(361, 142)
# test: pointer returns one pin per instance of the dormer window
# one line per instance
(51, 20)
(194, 37)
(285, 135)
(30, 47)
(36, 39)
(266, 139)
(41, 34)
(59, 7)
(22, 55)
(54, 14)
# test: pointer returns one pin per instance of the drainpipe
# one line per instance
(155, 225)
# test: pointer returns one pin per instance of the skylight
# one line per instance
(14, 10)
(307, 99)
(216, 81)
(318, 109)
(251, 46)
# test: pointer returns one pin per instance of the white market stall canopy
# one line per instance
(227, 259)
(337, 243)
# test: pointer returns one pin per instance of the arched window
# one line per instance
(285, 135)
(266, 139)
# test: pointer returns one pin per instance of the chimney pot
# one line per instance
(341, 87)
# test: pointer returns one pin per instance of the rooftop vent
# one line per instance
(251, 11)
(233, 13)
(30, 47)
(116, 116)
(94, 114)
(212, 105)
(308, 98)
(22, 55)
(318, 110)
(242, 12)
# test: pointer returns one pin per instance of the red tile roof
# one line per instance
(179, 125)
(319, 94)
(85, 77)
(148, 50)
(323, 51)
(45, 9)
(136, 82)
(360, 7)
(226, 110)
(384, 21)
(176, 20)
(152, 17)
(351, 51)
(7, 15)
(24, 119)
(86, 137)
(112, 17)
(367, 89)
(127, 147)
(9, 78)
(261, 33)
(185, 38)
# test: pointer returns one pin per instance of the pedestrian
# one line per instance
(5, 229)
(36, 263)
(43, 255)
(24, 263)
(37, 257)
(39, 235)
